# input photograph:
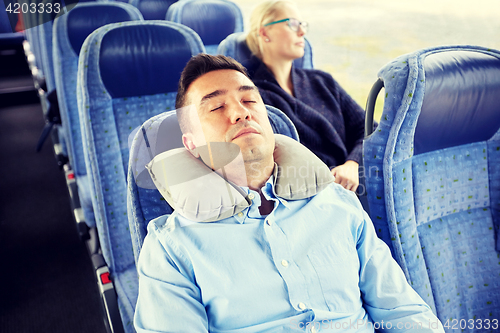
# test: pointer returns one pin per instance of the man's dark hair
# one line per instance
(202, 64)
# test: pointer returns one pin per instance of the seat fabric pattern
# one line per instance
(438, 208)
(127, 290)
(109, 111)
(45, 36)
(145, 205)
(212, 20)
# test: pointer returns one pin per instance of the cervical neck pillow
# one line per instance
(201, 194)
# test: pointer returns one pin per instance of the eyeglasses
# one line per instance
(293, 24)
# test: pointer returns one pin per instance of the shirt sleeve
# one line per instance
(391, 302)
(169, 300)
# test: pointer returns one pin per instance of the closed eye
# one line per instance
(217, 108)
(250, 101)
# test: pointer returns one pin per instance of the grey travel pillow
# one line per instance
(202, 195)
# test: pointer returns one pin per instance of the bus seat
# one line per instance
(10, 41)
(69, 33)
(152, 9)
(128, 72)
(434, 194)
(144, 201)
(52, 115)
(235, 46)
(212, 20)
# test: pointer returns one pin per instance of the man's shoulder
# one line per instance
(167, 224)
(336, 195)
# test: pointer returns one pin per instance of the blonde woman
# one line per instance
(329, 121)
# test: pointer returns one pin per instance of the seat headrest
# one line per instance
(213, 20)
(133, 58)
(202, 195)
(8, 20)
(84, 19)
(461, 100)
(154, 9)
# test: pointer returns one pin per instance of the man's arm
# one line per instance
(386, 294)
(168, 299)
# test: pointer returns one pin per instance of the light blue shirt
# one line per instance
(314, 264)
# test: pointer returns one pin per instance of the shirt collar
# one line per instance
(253, 210)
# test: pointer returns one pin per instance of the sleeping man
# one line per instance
(280, 247)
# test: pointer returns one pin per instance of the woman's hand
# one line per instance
(347, 175)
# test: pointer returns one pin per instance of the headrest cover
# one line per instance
(212, 20)
(133, 60)
(154, 9)
(461, 100)
(202, 195)
(83, 20)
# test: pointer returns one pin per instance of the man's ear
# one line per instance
(187, 140)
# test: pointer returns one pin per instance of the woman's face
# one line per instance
(284, 43)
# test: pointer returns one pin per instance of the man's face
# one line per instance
(230, 109)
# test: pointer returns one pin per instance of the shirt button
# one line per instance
(251, 196)
(313, 329)
(240, 214)
(285, 264)
(269, 222)
(302, 306)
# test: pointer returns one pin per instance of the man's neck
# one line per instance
(258, 173)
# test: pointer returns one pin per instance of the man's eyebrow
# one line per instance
(212, 95)
(247, 88)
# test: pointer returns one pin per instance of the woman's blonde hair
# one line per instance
(264, 13)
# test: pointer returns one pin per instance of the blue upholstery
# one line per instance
(433, 177)
(8, 20)
(212, 20)
(8, 36)
(152, 9)
(69, 32)
(147, 204)
(118, 89)
(45, 35)
(31, 25)
(235, 46)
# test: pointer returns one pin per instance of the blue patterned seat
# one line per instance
(70, 31)
(235, 46)
(152, 9)
(127, 73)
(145, 202)
(44, 30)
(433, 177)
(213, 20)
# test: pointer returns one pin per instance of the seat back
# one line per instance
(128, 72)
(45, 37)
(70, 31)
(8, 20)
(436, 200)
(152, 9)
(145, 202)
(235, 46)
(213, 20)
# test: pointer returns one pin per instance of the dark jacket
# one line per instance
(329, 122)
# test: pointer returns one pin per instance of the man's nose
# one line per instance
(238, 113)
